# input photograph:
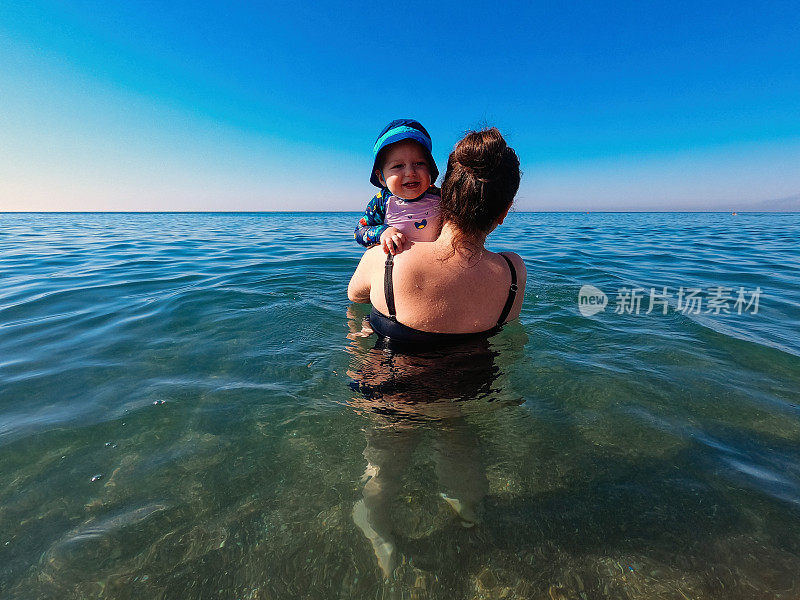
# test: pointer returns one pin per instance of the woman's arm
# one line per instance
(359, 288)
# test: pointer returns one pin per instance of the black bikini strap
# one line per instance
(512, 292)
(388, 289)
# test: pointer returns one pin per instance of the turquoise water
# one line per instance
(185, 412)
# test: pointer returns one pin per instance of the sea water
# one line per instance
(187, 411)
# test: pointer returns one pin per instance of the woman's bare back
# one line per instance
(436, 290)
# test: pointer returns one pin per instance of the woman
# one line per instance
(452, 288)
(451, 291)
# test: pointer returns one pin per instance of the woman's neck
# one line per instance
(452, 233)
(452, 238)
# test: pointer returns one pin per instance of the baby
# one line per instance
(407, 207)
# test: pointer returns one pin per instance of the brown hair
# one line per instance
(481, 181)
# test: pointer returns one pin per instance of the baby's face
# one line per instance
(406, 171)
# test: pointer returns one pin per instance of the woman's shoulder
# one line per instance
(519, 264)
(374, 255)
(519, 279)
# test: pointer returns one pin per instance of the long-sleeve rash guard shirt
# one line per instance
(417, 219)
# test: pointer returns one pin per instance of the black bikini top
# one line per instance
(391, 328)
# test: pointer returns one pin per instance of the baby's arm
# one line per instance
(371, 225)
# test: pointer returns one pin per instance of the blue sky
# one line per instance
(226, 106)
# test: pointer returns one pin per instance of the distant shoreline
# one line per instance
(328, 212)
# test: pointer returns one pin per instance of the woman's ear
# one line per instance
(503, 215)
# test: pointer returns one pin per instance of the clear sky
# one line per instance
(275, 105)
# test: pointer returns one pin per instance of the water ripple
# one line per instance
(200, 365)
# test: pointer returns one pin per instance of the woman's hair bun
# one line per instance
(481, 181)
(481, 152)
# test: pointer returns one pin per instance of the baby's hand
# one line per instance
(393, 241)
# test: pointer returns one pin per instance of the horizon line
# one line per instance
(290, 212)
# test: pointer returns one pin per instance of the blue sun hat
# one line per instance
(398, 130)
